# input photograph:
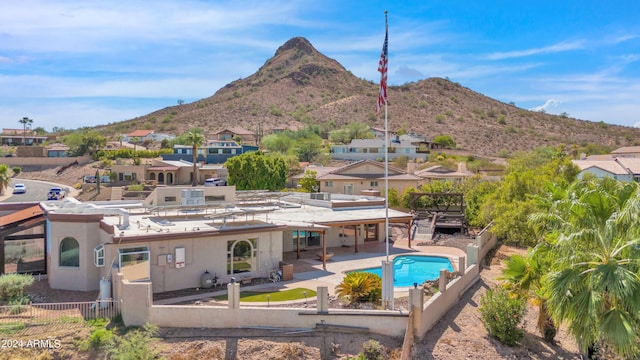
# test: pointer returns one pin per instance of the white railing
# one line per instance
(55, 313)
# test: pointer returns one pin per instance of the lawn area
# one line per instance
(259, 296)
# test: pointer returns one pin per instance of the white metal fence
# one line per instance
(56, 313)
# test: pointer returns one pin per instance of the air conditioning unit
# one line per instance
(191, 197)
(321, 196)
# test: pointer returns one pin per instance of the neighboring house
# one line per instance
(245, 135)
(214, 152)
(360, 177)
(56, 150)
(116, 145)
(439, 172)
(627, 151)
(193, 230)
(142, 135)
(158, 137)
(378, 133)
(624, 169)
(372, 149)
(15, 137)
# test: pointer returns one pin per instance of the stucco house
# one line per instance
(620, 168)
(213, 152)
(360, 177)
(374, 149)
(439, 172)
(245, 136)
(178, 233)
(626, 152)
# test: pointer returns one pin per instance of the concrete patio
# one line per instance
(308, 271)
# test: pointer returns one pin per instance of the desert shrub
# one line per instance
(136, 187)
(501, 315)
(135, 344)
(99, 338)
(16, 170)
(12, 286)
(372, 350)
(360, 286)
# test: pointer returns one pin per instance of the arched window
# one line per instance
(242, 256)
(69, 252)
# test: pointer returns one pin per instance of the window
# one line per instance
(308, 239)
(214, 198)
(69, 252)
(242, 256)
(134, 263)
(328, 183)
(98, 255)
(170, 198)
(374, 183)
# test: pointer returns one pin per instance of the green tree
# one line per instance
(4, 177)
(523, 275)
(39, 131)
(594, 282)
(353, 130)
(135, 140)
(527, 176)
(85, 141)
(308, 148)
(195, 140)
(281, 143)
(445, 140)
(26, 122)
(309, 181)
(256, 171)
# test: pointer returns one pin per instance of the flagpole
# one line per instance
(387, 266)
(386, 161)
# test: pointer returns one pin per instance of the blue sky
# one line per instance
(83, 63)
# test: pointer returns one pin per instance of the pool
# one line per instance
(409, 269)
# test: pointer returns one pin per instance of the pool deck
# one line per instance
(308, 272)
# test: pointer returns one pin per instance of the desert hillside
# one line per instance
(299, 86)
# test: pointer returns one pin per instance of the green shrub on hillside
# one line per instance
(12, 286)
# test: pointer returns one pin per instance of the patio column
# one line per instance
(356, 235)
(298, 255)
(409, 234)
(324, 252)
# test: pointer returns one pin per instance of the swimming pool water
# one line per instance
(409, 269)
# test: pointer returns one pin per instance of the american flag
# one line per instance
(382, 68)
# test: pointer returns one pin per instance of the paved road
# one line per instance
(36, 191)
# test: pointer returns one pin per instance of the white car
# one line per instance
(19, 189)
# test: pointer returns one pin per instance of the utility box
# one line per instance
(180, 258)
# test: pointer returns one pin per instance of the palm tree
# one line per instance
(4, 177)
(523, 275)
(119, 138)
(135, 140)
(594, 283)
(25, 121)
(195, 139)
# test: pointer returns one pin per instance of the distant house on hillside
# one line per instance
(626, 151)
(439, 172)
(142, 135)
(56, 150)
(214, 152)
(360, 177)
(15, 137)
(373, 149)
(244, 135)
(624, 168)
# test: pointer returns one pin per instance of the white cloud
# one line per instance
(559, 47)
(548, 105)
